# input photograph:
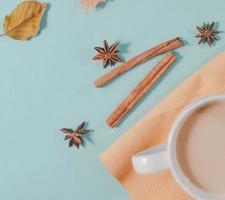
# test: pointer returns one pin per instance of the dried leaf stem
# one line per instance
(19, 25)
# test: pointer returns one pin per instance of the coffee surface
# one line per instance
(201, 148)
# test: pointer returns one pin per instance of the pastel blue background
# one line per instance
(47, 83)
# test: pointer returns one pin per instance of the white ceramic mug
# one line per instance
(164, 157)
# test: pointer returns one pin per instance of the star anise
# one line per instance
(109, 54)
(207, 33)
(75, 136)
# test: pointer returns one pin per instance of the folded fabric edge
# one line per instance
(109, 154)
(111, 171)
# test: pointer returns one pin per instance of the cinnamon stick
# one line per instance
(159, 49)
(141, 89)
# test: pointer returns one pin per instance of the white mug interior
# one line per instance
(177, 172)
(164, 157)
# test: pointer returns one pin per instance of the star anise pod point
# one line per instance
(75, 136)
(109, 54)
(207, 33)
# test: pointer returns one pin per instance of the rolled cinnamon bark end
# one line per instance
(141, 89)
(159, 49)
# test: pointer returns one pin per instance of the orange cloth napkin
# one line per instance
(153, 129)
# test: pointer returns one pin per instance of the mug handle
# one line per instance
(151, 160)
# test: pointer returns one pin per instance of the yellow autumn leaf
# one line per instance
(24, 21)
(90, 4)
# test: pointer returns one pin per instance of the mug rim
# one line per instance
(177, 172)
